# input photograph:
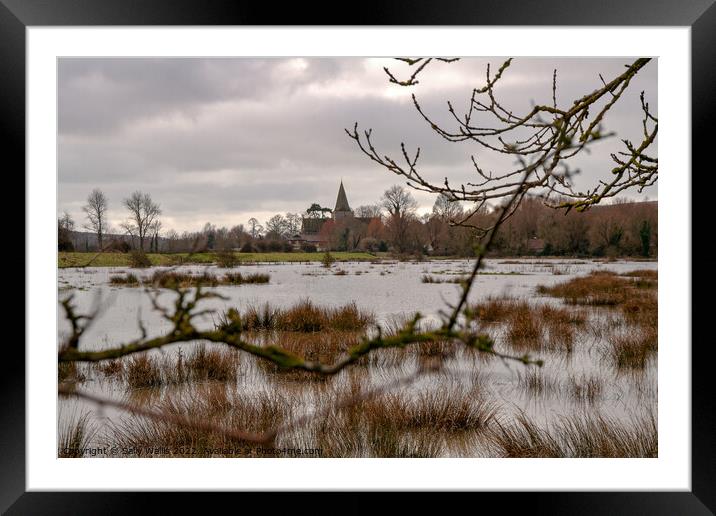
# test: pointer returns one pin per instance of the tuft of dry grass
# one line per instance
(236, 278)
(522, 438)
(214, 403)
(175, 279)
(432, 279)
(211, 364)
(600, 288)
(524, 327)
(69, 372)
(111, 368)
(143, 370)
(128, 279)
(642, 273)
(579, 435)
(306, 317)
(492, 309)
(634, 349)
(75, 432)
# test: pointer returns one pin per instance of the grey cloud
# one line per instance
(243, 136)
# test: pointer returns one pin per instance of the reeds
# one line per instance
(143, 371)
(599, 288)
(585, 388)
(524, 327)
(174, 279)
(632, 350)
(536, 382)
(211, 364)
(305, 317)
(212, 403)
(492, 309)
(75, 432)
(432, 279)
(128, 279)
(579, 435)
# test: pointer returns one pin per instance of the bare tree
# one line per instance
(143, 213)
(276, 226)
(65, 225)
(293, 224)
(398, 201)
(401, 206)
(541, 141)
(66, 222)
(255, 229)
(96, 212)
(369, 211)
(447, 209)
(154, 231)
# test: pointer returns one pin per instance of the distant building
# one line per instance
(316, 230)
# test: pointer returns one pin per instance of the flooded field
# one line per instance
(595, 395)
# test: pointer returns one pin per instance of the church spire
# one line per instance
(342, 200)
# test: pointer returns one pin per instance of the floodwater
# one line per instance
(389, 290)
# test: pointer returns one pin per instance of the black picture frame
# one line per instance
(16, 15)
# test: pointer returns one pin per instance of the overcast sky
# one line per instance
(223, 140)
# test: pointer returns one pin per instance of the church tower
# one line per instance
(342, 209)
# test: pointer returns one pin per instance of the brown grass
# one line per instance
(69, 372)
(306, 317)
(174, 279)
(600, 288)
(236, 278)
(128, 279)
(143, 371)
(492, 309)
(642, 273)
(214, 403)
(75, 431)
(432, 279)
(111, 368)
(634, 349)
(524, 327)
(580, 435)
(213, 364)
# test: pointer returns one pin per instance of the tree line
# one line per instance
(392, 224)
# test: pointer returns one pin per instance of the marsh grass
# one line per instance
(599, 288)
(524, 328)
(537, 382)
(492, 309)
(143, 371)
(432, 279)
(210, 364)
(632, 350)
(215, 403)
(75, 432)
(578, 435)
(70, 372)
(306, 317)
(174, 279)
(111, 368)
(642, 273)
(585, 388)
(128, 279)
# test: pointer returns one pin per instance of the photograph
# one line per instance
(296, 257)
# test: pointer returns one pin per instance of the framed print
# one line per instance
(425, 257)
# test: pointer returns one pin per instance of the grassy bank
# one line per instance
(66, 259)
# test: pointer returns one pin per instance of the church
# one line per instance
(315, 230)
